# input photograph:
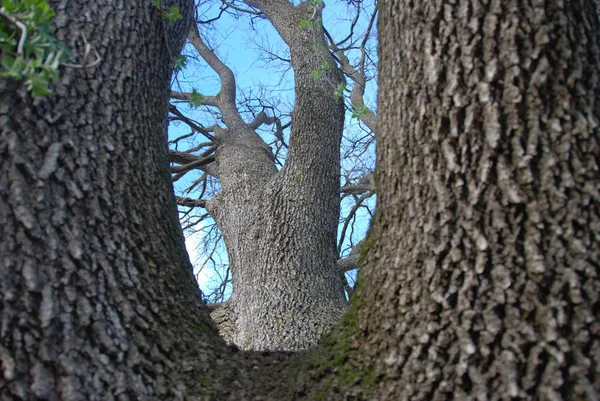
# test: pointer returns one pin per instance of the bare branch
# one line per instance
(364, 184)
(189, 202)
(206, 100)
(350, 215)
(242, 10)
(357, 189)
(194, 125)
(193, 165)
(225, 100)
(366, 116)
(350, 262)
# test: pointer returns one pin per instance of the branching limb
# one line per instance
(194, 125)
(364, 184)
(190, 162)
(225, 100)
(351, 215)
(242, 10)
(193, 165)
(350, 262)
(358, 75)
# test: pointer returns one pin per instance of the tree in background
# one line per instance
(480, 280)
(275, 197)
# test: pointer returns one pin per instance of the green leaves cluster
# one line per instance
(28, 48)
(357, 112)
(179, 63)
(172, 14)
(325, 66)
(339, 91)
(306, 24)
(196, 99)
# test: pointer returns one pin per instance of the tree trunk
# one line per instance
(97, 293)
(482, 273)
(280, 227)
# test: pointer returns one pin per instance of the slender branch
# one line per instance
(242, 10)
(189, 202)
(194, 125)
(364, 184)
(357, 189)
(350, 215)
(225, 100)
(180, 138)
(182, 157)
(206, 100)
(23, 29)
(358, 76)
(194, 165)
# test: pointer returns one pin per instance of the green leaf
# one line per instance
(196, 99)
(357, 112)
(37, 84)
(305, 23)
(38, 60)
(339, 91)
(179, 63)
(173, 14)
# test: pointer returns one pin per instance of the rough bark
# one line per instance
(482, 273)
(280, 227)
(97, 294)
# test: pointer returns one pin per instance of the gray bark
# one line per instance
(488, 166)
(280, 227)
(97, 293)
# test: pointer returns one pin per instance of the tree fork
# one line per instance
(472, 288)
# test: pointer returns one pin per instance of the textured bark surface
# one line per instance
(280, 227)
(97, 296)
(482, 275)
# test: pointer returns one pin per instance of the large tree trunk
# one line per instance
(482, 274)
(280, 227)
(97, 293)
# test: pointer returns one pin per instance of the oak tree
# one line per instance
(480, 278)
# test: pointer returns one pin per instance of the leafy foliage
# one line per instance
(359, 111)
(28, 48)
(171, 15)
(179, 63)
(305, 23)
(321, 71)
(196, 99)
(339, 91)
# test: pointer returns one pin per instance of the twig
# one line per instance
(23, 29)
